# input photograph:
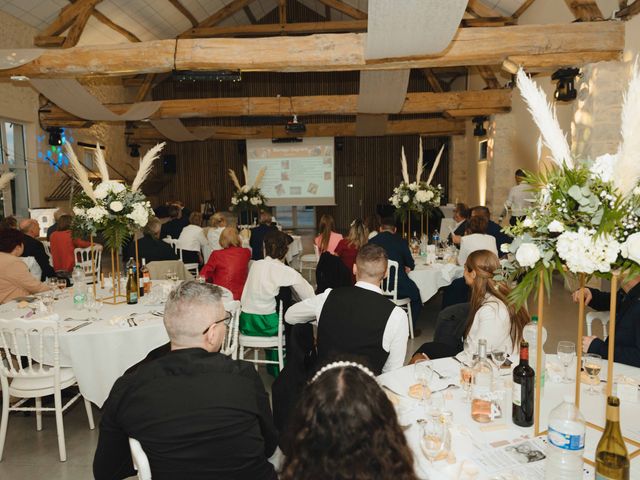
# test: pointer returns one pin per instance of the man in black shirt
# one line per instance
(34, 247)
(173, 228)
(150, 247)
(197, 413)
(257, 235)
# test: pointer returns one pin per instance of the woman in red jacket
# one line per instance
(63, 244)
(228, 267)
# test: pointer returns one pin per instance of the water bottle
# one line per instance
(424, 241)
(436, 237)
(530, 334)
(565, 440)
(79, 287)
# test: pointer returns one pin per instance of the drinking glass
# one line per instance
(466, 375)
(432, 440)
(423, 371)
(499, 356)
(566, 352)
(47, 300)
(470, 350)
(592, 365)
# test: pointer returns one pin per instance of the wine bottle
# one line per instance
(523, 389)
(612, 457)
(132, 287)
(481, 389)
(145, 277)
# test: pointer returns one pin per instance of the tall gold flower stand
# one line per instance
(610, 356)
(117, 297)
(407, 233)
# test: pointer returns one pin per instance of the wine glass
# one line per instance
(423, 372)
(466, 375)
(499, 356)
(432, 439)
(47, 300)
(470, 350)
(566, 352)
(592, 365)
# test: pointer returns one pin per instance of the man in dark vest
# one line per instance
(358, 321)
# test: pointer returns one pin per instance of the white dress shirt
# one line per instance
(213, 235)
(192, 238)
(394, 338)
(520, 198)
(492, 322)
(265, 278)
(473, 242)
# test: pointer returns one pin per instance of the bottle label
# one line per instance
(517, 394)
(78, 298)
(133, 297)
(565, 441)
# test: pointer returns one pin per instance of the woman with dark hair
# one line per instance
(228, 267)
(372, 223)
(327, 239)
(15, 278)
(347, 248)
(192, 240)
(63, 244)
(345, 428)
(476, 238)
(491, 315)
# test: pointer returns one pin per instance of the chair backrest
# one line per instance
(47, 249)
(389, 284)
(230, 345)
(31, 338)
(159, 268)
(140, 460)
(316, 250)
(174, 245)
(83, 258)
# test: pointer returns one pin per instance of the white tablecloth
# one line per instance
(430, 278)
(469, 438)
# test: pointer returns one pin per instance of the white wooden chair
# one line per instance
(192, 268)
(256, 343)
(83, 258)
(47, 250)
(32, 339)
(140, 460)
(389, 288)
(230, 344)
(604, 319)
(309, 261)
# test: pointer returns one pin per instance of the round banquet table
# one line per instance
(103, 350)
(476, 445)
(430, 278)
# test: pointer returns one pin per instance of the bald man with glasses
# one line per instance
(197, 413)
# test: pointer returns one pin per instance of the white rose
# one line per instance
(253, 201)
(97, 213)
(556, 227)
(504, 248)
(527, 222)
(405, 199)
(604, 166)
(101, 191)
(245, 198)
(631, 247)
(116, 206)
(116, 187)
(234, 201)
(528, 254)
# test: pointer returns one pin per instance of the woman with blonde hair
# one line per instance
(217, 223)
(229, 266)
(348, 247)
(491, 315)
(327, 239)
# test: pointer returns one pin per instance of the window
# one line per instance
(296, 217)
(13, 158)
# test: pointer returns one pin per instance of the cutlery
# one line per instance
(440, 376)
(78, 327)
(394, 392)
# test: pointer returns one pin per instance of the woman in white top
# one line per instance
(476, 239)
(192, 240)
(217, 223)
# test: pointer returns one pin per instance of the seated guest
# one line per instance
(476, 238)
(258, 233)
(259, 316)
(56, 216)
(34, 247)
(627, 338)
(358, 321)
(493, 228)
(63, 244)
(345, 427)
(173, 228)
(228, 267)
(372, 224)
(9, 222)
(217, 223)
(398, 250)
(15, 278)
(461, 215)
(192, 240)
(491, 315)
(198, 414)
(347, 248)
(150, 247)
(327, 239)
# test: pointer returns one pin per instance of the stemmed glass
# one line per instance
(432, 440)
(566, 352)
(466, 375)
(423, 372)
(470, 350)
(592, 364)
(62, 284)
(499, 356)
(47, 300)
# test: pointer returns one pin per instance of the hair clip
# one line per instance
(342, 364)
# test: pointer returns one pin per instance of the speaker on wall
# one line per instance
(169, 164)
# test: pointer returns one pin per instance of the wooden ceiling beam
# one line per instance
(432, 79)
(544, 44)
(225, 12)
(345, 8)
(479, 9)
(74, 15)
(585, 10)
(627, 11)
(277, 29)
(184, 11)
(74, 33)
(145, 87)
(252, 18)
(101, 17)
(523, 8)
(427, 127)
(282, 11)
(489, 77)
(488, 22)
(415, 103)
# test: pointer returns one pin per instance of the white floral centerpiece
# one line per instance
(586, 214)
(419, 196)
(112, 208)
(247, 197)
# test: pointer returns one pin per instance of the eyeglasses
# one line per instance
(226, 319)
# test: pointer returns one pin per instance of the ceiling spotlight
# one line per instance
(565, 89)
(55, 136)
(479, 130)
(135, 150)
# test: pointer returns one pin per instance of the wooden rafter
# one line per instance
(73, 16)
(282, 11)
(480, 10)
(101, 17)
(184, 11)
(488, 76)
(564, 44)
(144, 89)
(415, 103)
(432, 79)
(523, 8)
(585, 10)
(627, 11)
(252, 18)
(225, 12)
(77, 27)
(345, 8)
(277, 29)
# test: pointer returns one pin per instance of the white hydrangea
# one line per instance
(139, 214)
(413, 186)
(258, 201)
(421, 196)
(631, 247)
(556, 227)
(528, 254)
(116, 206)
(636, 191)
(583, 252)
(104, 188)
(604, 166)
(80, 212)
(97, 213)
